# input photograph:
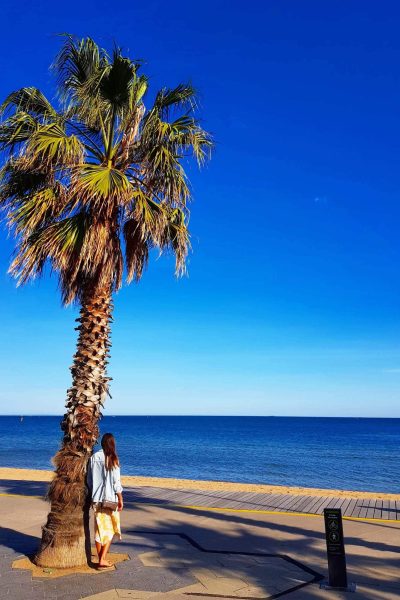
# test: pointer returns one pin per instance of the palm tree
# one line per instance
(90, 186)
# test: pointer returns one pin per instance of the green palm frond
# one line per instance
(17, 129)
(183, 95)
(138, 90)
(37, 209)
(186, 135)
(29, 100)
(154, 225)
(117, 80)
(148, 214)
(96, 184)
(166, 175)
(98, 167)
(79, 67)
(50, 144)
(27, 110)
(76, 63)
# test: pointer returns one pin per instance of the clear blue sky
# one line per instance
(292, 304)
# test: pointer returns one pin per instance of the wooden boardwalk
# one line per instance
(364, 508)
(286, 503)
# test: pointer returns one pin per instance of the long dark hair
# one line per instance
(108, 445)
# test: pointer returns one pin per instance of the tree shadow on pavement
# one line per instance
(372, 562)
(24, 488)
(19, 543)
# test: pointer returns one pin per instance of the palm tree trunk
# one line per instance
(65, 538)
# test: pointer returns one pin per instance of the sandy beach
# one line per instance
(190, 484)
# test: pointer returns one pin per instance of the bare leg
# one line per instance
(103, 553)
(98, 548)
(97, 534)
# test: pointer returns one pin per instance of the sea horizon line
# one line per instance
(237, 416)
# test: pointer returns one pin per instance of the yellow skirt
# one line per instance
(106, 524)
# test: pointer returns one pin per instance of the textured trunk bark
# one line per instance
(65, 538)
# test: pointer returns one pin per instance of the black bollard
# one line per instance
(335, 551)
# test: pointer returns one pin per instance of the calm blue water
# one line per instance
(358, 454)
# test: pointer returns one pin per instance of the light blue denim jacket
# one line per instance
(103, 484)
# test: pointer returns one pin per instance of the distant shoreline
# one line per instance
(18, 416)
(176, 484)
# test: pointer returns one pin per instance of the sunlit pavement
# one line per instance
(188, 553)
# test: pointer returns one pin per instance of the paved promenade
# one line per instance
(186, 544)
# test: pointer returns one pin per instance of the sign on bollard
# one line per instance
(335, 551)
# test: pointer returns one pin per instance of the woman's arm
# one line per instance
(118, 487)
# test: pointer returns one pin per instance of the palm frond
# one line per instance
(136, 250)
(117, 80)
(37, 209)
(16, 130)
(96, 185)
(183, 95)
(138, 90)
(96, 261)
(57, 242)
(166, 175)
(129, 127)
(148, 214)
(97, 168)
(76, 63)
(16, 182)
(152, 225)
(178, 239)
(50, 144)
(185, 135)
(29, 100)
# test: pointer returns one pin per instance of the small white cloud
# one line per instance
(320, 199)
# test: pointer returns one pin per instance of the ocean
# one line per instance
(341, 453)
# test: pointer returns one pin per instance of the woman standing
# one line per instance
(104, 482)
